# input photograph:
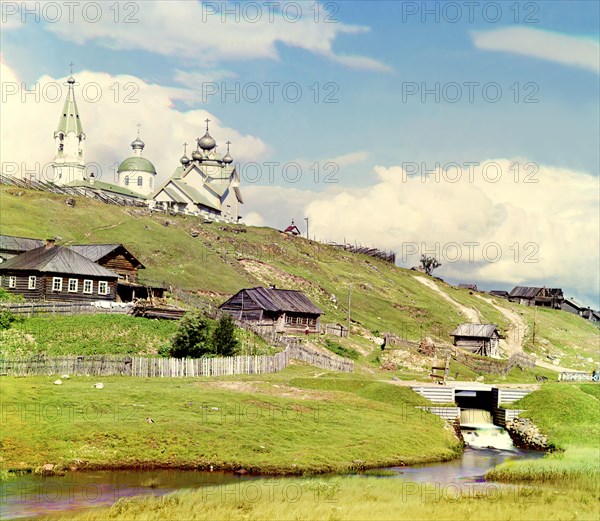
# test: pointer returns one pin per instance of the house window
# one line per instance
(102, 287)
(126, 181)
(56, 283)
(32, 282)
(12, 282)
(73, 285)
(88, 286)
(140, 181)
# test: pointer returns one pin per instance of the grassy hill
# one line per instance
(215, 260)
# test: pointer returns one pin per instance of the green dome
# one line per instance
(136, 164)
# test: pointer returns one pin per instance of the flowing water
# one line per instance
(479, 431)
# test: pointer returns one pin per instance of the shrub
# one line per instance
(224, 340)
(7, 318)
(346, 352)
(193, 337)
(7, 296)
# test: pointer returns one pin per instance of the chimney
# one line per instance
(273, 286)
(50, 243)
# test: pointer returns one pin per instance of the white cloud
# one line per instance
(352, 158)
(28, 122)
(192, 31)
(555, 221)
(567, 50)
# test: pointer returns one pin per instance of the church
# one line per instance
(205, 185)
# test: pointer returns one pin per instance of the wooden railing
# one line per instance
(32, 309)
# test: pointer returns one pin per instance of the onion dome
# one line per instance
(138, 144)
(71, 80)
(136, 164)
(197, 155)
(227, 159)
(185, 160)
(206, 142)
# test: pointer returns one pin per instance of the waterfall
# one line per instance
(479, 431)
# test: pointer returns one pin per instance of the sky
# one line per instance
(464, 130)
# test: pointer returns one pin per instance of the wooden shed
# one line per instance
(284, 310)
(57, 273)
(481, 339)
(533, 296)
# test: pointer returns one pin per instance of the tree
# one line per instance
(429, 264)
(193, 338)
(224, 340)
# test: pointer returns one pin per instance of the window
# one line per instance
(73, 285)
(126, 181)
(12, 282)
(102, 287)
(32, 282)
(56, 283)
(140, 181)
(88, 286)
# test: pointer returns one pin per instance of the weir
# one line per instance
(477, 408)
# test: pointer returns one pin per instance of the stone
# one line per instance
(57, 382)
(99, 385)
(556, 361)
(65, 376)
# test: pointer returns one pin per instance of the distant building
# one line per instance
(472, 287)
(572, 306)
(481, 339)
(11, 246)
(533, 296)
(500, 293)
(53, 272)
(283, 310)
(292, 229)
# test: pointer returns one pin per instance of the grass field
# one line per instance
(264, 425)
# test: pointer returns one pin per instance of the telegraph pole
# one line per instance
(307, 236)
(349, 299)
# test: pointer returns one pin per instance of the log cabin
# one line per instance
(56, 273)
(532, 296)
(11, 246)
(481, 339)
(282, 310)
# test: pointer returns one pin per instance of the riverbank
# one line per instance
(262, 425)
(569, 415)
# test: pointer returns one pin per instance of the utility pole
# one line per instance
(349, 300)
(534, 324)
(307, 236)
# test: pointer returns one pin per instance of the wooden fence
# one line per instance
(32, 309)
(574, 376)
(170, 367)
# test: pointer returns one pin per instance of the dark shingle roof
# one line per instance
(475, 330)
(287, 300)
(19, 244)
(95, 252)
(56, 259)
(525, 292)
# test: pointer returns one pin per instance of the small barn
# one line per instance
(282, 310)
(533, 296)
(57, 273)
(481, 339)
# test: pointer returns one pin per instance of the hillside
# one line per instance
(212, 261)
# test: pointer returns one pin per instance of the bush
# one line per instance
(7, 319)
(224, 340)
(7, 296)
(346, 352)
(193, 337)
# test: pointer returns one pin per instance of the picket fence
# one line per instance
(170, 367)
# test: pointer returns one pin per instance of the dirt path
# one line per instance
(513, 343)
(472, 315)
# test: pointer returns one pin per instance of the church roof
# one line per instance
(107, 187)
(69, 118)
(136, 164)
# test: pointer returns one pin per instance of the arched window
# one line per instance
(126, 181)
(140, 181)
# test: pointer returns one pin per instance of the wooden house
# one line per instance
(481, 339)
(282, 310)
(57, 273)
(11, 246)
(533, 296)
(472, 287)
(500, 293)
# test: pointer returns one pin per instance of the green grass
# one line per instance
(353, 498)
(263, 427)
(569, 414)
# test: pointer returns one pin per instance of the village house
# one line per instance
(292, 229)
(480, 339)
(532, 296)
(11, 246)
(57, 273)
(281, 310)
(500, 293)
(472, 287)
(574, 307)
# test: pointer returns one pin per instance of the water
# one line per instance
(479, 431)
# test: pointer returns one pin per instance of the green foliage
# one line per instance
(193, 337)
(346, 352)
(7, 296)
(7, 319)
(224, 340)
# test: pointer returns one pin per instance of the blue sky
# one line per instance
(375, 53)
